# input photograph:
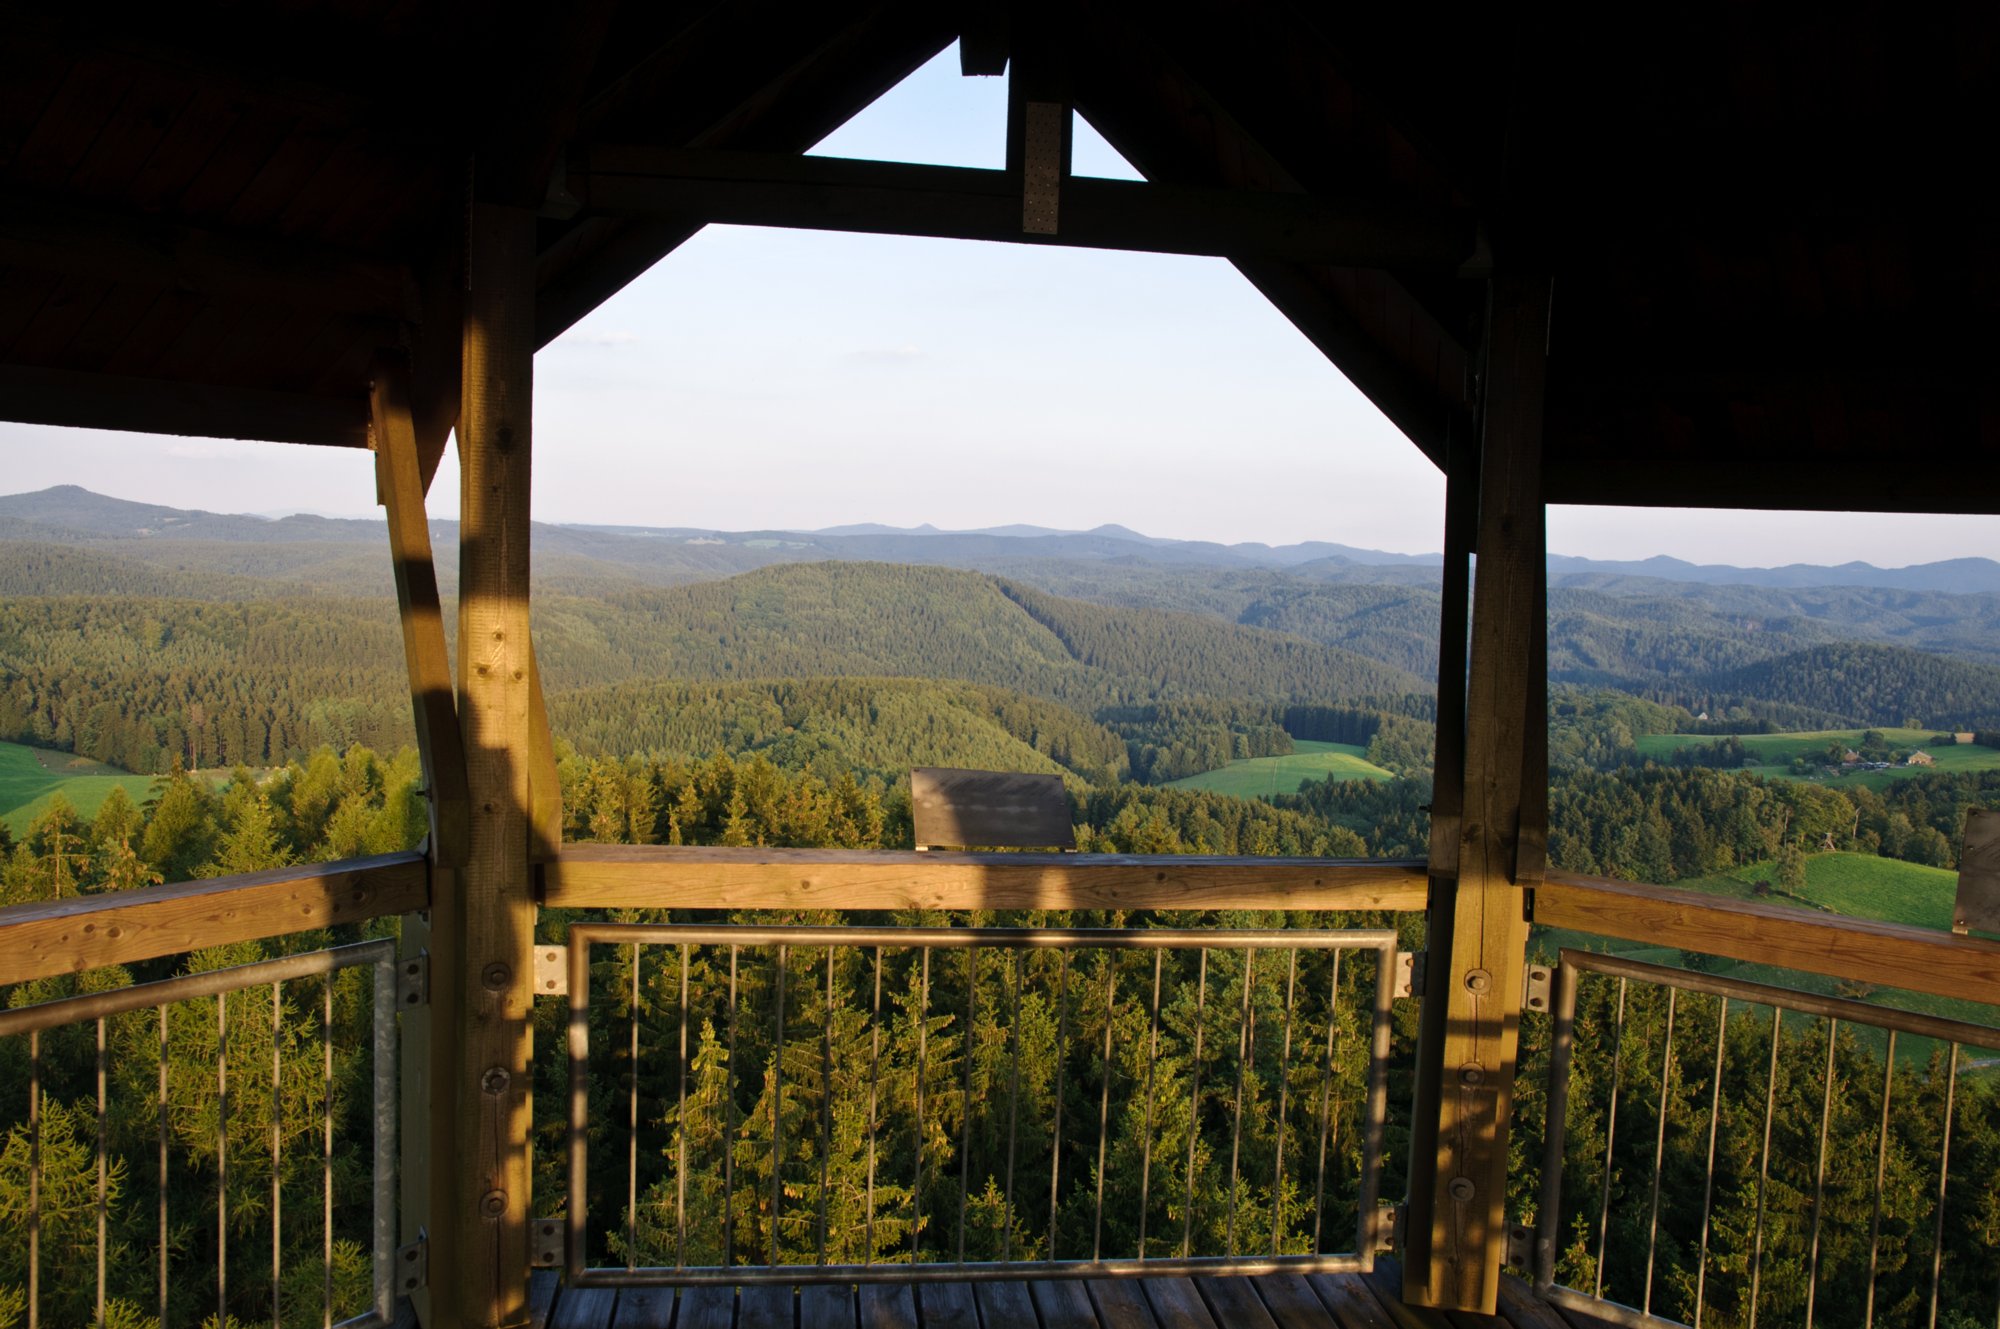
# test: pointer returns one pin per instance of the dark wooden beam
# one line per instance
(895, 198)
(32, 394)
(50, 234)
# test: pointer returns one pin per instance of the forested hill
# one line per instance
(1851, 684)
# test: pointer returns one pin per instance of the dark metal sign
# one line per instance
(1979, 874)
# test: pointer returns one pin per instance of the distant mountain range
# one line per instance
(70, 514)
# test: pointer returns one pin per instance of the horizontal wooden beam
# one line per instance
(122, 927)
(34, 394)
(895, 198)
(648, 876)
(1890, 954)
(54, 235)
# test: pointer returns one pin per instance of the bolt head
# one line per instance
(493, 1204)
(495, 1081)
(1462, 1189)
(1478, 981)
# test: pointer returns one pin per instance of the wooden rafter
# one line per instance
(33, 394)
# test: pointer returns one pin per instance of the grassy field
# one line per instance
(1259, 776)
(30, 777)
(1777, 751)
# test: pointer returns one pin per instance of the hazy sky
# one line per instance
(764, 378)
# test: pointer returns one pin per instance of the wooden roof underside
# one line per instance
(1773, 235)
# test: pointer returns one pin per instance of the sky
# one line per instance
(859, 378)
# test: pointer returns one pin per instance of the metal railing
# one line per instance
(1793, 1147)
(89, 1181)
(861, 1093)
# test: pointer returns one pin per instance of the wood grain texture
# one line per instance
(1891, 954)
(400, 484)
(1456, 1226)
(644, 1308)
(1121, 1303)
(947, 1306)
(643, 876)
(1352, 1302)
(1006, 1306)
(1003, 809)
(1290, 1302)
(497, 913)
(765, 1306)
(1064, 1304)
(826, 1306)
(887, 1306)
(706, 1308)
(88, 932)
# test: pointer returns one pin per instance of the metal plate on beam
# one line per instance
(1979, 874)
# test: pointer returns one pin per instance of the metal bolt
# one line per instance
(1461, 1188)
(496, 975)
(495, 1081)
(493, 1204)
(1478, 981)
(1471, 1074)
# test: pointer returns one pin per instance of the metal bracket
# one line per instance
(412, 1266)
(413, 980)
(1409, 974)
(551, 971)
(1536, 987)
(1389, 1219)
(547, 1243)
(1520, 1246)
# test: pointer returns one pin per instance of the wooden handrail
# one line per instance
(658, 877)
(90, 931)
(1891, 954)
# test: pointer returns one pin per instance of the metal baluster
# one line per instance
(825, 1100)
(1819, 1171)
(681, 1131)
(1284, 1088)
(1013, 1110)
(965, 1114)
(277, 1123)
(103, 1171)
(1326, 1101)
(1062, 1058)
(923, 1038)
(729, 1125)
(874, 1083)
(1944, 1170)
(1881, 1171)
(1104, 1102)
(1764, 1162)
(162, 1199)
(1194, 1099)
(632, 1127)
(1146, 1144)
(1659, 1151)
(221, 1158)
(777, 1108)
(325, 1153)
(34, 1179)
(1246, 1046)
(1708, 1192)
(1610, 1136)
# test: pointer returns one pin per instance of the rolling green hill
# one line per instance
(1255, 777)
(1776, 751)
(31, 777)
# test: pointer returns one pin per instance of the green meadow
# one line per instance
(1254, 777)
(1777, 750)
(31, 777)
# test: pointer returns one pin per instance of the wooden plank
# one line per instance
(887, 1306)
(37, 394)
(51, 937)
(765, 1306)
(1232, 1302)
(1064, 1304)
(1006, 1306)
(690, 877)
(54, 235)
(1121, 1303)
(1350, 1301)
(644, 1308)
(1891, 954)
(947, 1306)
(956, 202)
(826, 1306)
(1291, 1302)
(706, 1307)
(586, 1308)
(1525, 1310)
(1456, 1225)
(400, 485)
(1005, 809)
(1178, 1305)
(1385, 1281)
(544, 1285)
(496, 916)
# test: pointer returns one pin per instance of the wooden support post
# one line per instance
(495, 921)
(1456, 1222)
(429, 941)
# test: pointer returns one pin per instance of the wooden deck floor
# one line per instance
(1283, 1301)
